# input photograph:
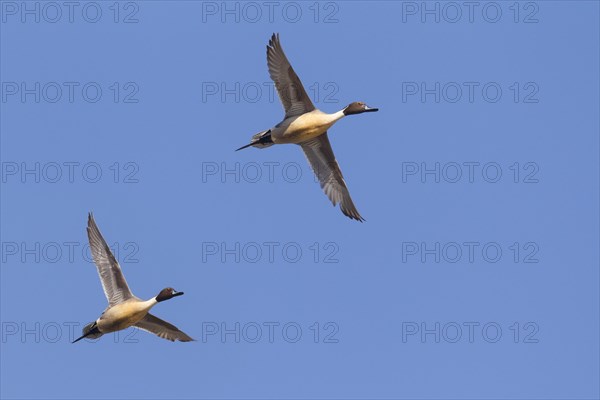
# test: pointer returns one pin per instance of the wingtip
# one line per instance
(185, 339)
(358, 218)
(354, 216)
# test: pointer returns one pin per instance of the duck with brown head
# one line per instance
(124, 309)
(307, 126)
(358, 107)
(166, 294)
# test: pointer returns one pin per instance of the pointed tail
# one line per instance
(91, 331)
(261, 140)
(248, 145)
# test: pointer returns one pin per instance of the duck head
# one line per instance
(167, 293)
(358, 107)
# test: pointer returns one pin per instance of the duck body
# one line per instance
(301, 128)
(124, 315)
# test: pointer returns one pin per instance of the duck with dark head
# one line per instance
(124, 308)
(307, 126)
(166, 294)
(358, 107)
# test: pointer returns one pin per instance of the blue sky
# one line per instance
(475, 275)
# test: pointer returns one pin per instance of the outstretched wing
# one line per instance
(113, 282)
(289, 87)
(162, 329)
(322, 161)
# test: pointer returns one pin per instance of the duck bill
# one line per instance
(371, 109)
(177, 294)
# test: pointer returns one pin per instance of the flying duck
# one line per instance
(124, 309)
(307, 126)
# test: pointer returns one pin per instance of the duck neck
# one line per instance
(338, 115)
(148, 304)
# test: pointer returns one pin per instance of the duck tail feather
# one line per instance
(89, 331)
(260, 140)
